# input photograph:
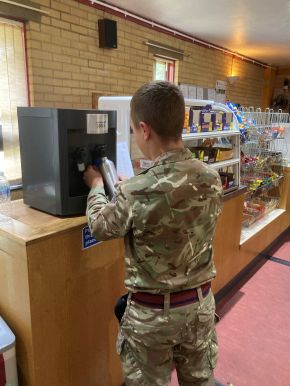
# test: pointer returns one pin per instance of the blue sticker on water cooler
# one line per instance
(88, 240)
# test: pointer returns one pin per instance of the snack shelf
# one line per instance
(263, 149)
(247, 233)
(210, 134)
(231, 189)
(229, 167)
(268, 126)
(222, 164)
(263, 188)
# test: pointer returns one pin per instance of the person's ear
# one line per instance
(146, 130)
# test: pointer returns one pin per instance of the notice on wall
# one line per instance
(199, 92)
(221, 85)
(192, 92)
(184, 89)
(124, 164)
(211, 94)
(220, 91)
(220, 97)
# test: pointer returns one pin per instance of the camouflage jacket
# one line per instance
(167, 215)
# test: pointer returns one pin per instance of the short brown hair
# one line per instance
(160, 105)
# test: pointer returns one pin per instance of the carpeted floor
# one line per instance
(254, 331)
(282, 250)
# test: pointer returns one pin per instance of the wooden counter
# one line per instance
(59, 299)
(230, 254)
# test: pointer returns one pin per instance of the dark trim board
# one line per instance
(278, 260)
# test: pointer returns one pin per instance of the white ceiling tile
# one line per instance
(256, 28)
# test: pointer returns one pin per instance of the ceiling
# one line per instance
(259, 29)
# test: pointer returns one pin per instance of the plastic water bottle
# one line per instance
(5, 199)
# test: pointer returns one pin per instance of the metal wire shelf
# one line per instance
(264, 151)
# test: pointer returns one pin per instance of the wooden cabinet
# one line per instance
(232, 252)
(59, 298)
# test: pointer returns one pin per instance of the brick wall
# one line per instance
(66, 65)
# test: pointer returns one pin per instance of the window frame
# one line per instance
(17, 183)
(168, 61)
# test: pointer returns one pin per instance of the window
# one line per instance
(13, 93)
(164, 69)
(166, 61)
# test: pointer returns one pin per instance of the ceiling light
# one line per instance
(232, 79)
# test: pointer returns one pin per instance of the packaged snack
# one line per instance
(224, 154)
(217, 121)
(186, 128)
(205, 154)
(205, 118)
(227, 121)
(228, 180)
(194, 119)
(205, 122)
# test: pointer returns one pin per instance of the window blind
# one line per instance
(13, 93)
(164, 51)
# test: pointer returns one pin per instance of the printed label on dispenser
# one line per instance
(97, 123)
(87, 239)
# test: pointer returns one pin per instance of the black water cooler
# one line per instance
(56, 145)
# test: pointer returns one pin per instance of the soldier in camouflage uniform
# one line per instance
(167, 216)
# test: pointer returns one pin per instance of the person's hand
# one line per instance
(121, 179)
(92, 177)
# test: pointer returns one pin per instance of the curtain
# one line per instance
(13, 93)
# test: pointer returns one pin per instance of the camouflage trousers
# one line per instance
(152, 342)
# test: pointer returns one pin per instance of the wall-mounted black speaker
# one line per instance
(107, 33)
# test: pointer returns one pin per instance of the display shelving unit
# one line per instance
(265, 148)
(122, 105)
(233, 134)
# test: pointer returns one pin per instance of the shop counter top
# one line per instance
(27, 224)
(58, 297)
(235, 193)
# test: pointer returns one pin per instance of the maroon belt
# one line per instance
(177, 299)
(2, 371)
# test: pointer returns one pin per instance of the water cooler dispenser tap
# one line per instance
(80, 156)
